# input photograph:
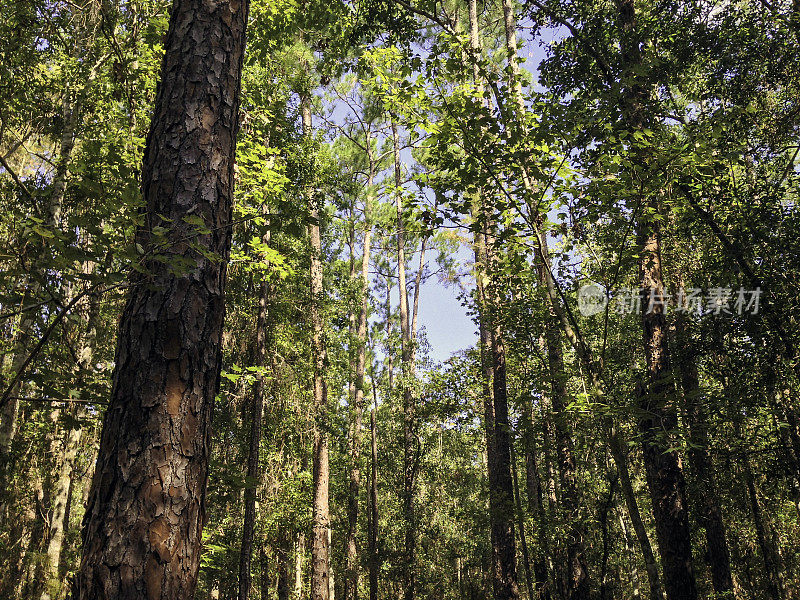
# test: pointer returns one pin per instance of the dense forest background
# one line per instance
(643, 445)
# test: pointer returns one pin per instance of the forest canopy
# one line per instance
(226, 227)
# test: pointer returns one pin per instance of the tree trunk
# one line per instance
(351, 576)
(10, 410)
(409, 404)
(771, 568)
(626, 485)
(577, 581)
(631, 556)
(577, 576)
(142, 533)
(60, 503)
(283, 547)
(526, 561)
(658, 418)
(12, 362)
(299, 556)
(701, 464)
(62, 488)
(256, 416)
(533, 486)
(374, 564)
(493, 357)
(656, 395)
(505, 582)
(374, 557)
(321, 520)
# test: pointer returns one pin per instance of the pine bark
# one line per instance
(142, 532)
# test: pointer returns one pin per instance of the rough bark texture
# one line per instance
(256, 416)
(663, 471)
(321, 519)
(142, 532)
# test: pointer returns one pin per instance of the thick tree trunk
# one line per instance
(142, 531)
(256, 416)
(658, 418)
(321, 519)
